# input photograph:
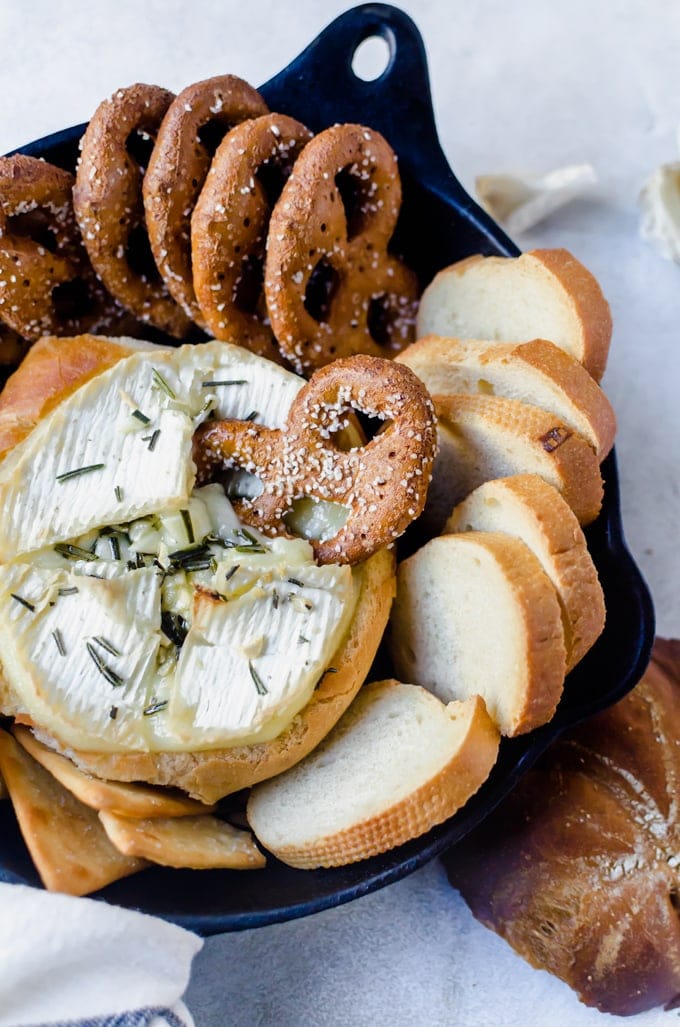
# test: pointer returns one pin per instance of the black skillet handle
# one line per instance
(321, 87)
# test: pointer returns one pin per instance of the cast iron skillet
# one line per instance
(439, 224)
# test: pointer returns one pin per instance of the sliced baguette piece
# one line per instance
(399, 762)
(476, 614)
(537, 372)
(527, 508)
(200, 843)
(485, 437)
(543, 294)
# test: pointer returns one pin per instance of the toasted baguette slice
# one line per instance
(537, 373)
(527, 508)
(68, 845)
(201, 843)
(485, 437)
(544, 294)
(476, 614)
(398, 763)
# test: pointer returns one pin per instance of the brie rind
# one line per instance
(110, 465)
(87, 651)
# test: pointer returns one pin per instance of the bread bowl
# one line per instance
(254, 683)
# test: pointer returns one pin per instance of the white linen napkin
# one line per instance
(67, 962)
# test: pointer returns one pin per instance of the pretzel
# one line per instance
(229, 227)
(108, 204)
(196, 119)
(47, 286)
(331, 287)
(383, 484)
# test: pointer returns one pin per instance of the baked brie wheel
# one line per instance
(144, 631)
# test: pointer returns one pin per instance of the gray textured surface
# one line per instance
(528, 85)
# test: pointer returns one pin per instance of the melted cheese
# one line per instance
(87, 648)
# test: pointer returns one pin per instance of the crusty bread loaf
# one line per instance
(398, 763)
(544, 294)
(476, 614)
(578, 869)
(538, 373)
(529, 509)
(485, 437)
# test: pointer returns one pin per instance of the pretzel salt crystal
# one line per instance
(108, 204)
(332, 289)
(383, 484)
(177, 170)
(229, 227)
(47, 286)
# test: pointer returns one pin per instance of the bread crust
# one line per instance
(577, 869)
(577, 287)
(559, 455)
(431, 803)
(212, 774)
(538, 681)
(442, 364)
(562, 550)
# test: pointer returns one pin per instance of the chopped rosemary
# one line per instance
(155, 706)
(249, 549)
(260, 686)
(103, 668)
(296, 581)
(204, 563)
(231, 572)
(71, 552)
(188, 526)
(174, 627)
(141, 417)
(70, 591)
(113, 712)
(151, 439)
(119, 493)
(233, 381)
(302, 640)
(24, 602)
(180, 556)
(115, 547)
(139, 561)
(160, 381)
(331, 670)
(105, 644)
(77, 471)
(275, 600)
(248, 536)
(252, 415)
(59, 642)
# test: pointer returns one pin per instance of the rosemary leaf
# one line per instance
(77, 471)
(24, 602)
(155, 706)
(260, 686)
(59, 642)
(233, 381)
(160, 381)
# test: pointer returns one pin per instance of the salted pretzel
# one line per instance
(383, 484)
(108, 204)
(47, 286)
(331, 287)
(195, 122)
(229, 227)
